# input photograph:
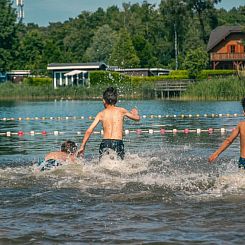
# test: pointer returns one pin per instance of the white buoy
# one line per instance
(56, 132)
(151, 131)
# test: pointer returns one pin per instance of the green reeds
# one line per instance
(10, 91)
(229, 88)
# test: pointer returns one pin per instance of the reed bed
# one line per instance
(230, 88)
(10, 91)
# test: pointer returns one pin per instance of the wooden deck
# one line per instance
(227, 56)
(170, 88)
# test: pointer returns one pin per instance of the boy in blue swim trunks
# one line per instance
(57, 158)
(112, 118)
(67, 152)
(240, 130)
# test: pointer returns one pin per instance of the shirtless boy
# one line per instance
(57, 158)
(240, 130)
(112, 118)
(67, 152)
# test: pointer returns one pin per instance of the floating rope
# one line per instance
(126, 132)
(143, 116)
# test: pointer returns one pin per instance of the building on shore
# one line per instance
(17, 76)
(73, 74)
(70, 74)
(141, 71)
(226, 47)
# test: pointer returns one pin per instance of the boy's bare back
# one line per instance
(112, 121)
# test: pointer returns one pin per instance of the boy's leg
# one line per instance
(118, 147)
(104, 146)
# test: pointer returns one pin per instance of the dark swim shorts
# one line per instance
(49, 164)
(241, 163)
(115, 145)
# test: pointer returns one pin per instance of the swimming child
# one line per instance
(57, 158)
(239, 130)
(112, 118)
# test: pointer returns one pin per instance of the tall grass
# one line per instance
(230, 88)
(10, 91)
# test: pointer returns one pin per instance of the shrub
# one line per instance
(37, 81)
(196, 60)
(205, 74)
(108, 78)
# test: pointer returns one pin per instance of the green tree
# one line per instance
(148, 37)
(195, 61)
(235, 16)
(145, 27)
(175, 19)
(102, 43)
(203, 9)
(124, 54)
(114, 18)
(8, 34)
(31, 50)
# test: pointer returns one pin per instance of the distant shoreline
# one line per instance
(215, 89)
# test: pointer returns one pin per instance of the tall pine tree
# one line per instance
(8, 34)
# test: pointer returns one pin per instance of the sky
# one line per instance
(42, 12)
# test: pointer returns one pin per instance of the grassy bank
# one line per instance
(226, 88)
(10, 91)
(230, 88)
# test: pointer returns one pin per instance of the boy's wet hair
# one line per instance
(69, 147)
(110, 96)
(243, 104)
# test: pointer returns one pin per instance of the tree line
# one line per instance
(134, 35)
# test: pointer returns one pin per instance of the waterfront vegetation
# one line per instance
(229, 88)
(10, 91)
(214, 85)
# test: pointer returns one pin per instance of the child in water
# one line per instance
(57, 158)
(240, 130)
(112, 118)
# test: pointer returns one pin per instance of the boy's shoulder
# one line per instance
(121, 109)
(242, 124)
(56, 155)
(241, 127)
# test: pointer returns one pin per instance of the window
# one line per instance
(233, 49)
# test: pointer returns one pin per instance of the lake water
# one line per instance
(164, 192)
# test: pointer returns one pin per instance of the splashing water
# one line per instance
(153, 172)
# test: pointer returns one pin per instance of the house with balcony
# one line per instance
(226, 47)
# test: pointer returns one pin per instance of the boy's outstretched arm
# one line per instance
(88, 133)
(225, 144)
(134, 114)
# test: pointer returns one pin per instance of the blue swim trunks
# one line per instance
(241, 163)
(49, 164)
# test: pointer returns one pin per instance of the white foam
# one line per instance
(174, 169)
